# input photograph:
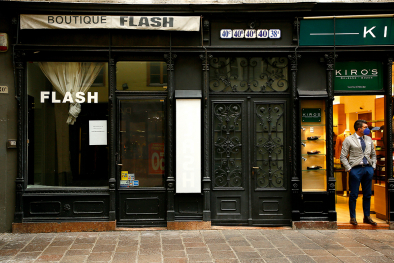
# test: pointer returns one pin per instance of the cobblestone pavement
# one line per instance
(201, 246)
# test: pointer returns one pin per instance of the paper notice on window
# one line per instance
(98, 132)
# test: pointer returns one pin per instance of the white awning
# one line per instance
(172, 23)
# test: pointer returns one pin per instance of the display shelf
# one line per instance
(314, 190)
(313, 180)
(373, 121)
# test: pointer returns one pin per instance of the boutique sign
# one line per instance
(174, 23)
(358, 76)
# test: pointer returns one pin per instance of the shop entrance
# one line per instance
(250, 182)
(141, 193)
(348, 109)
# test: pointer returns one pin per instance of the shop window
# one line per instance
(61, 152)
(99, 81)
(313, 150)
(248, 74)
(141, 76)
(157, 74)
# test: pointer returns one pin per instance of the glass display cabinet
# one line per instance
(313, 149)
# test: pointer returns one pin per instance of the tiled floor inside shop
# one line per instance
(342, 208)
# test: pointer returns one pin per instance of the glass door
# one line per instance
(141, 161)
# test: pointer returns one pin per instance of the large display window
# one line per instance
(67, 124)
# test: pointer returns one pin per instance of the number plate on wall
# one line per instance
(3, 89)
(250, 33)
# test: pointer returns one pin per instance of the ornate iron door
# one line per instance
(270, 194)
(249, 172)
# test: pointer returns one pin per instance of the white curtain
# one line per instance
(71, 77)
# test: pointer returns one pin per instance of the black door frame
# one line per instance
(169, 58)
(140, 193)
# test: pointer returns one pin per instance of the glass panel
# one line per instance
(165, 78)
(140, 76)
(155, 79)
(248, 74)
(227, 145)
(142, 141)
(269, 156)
(154, 68)
(313, 139)
(60, 155)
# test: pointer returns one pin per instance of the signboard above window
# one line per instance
(348, 31)
(173, 23)
(358, 76)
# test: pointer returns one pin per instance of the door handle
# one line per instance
(253, 170)
(120, 164)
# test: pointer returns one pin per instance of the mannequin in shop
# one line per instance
(360, 165)
(338, 148)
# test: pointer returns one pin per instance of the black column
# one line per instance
(206, 168)
(389, 143)
(294, 148)
(170, 183)
(21, 97)
(332, 214)
(113, 138)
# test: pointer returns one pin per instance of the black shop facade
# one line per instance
(192, 120)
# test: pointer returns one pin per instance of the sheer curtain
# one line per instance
(71, 77)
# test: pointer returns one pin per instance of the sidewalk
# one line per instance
(201, 246)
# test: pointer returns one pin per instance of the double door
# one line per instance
(250, 162)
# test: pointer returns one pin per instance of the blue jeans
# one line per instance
(364, 176)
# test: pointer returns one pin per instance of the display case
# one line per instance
(313, 149)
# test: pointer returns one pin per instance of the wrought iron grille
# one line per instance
(269, 144)
(248, 74)
(227, 145)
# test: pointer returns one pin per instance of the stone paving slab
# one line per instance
(220, 246)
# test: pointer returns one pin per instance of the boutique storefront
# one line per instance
(192, 118)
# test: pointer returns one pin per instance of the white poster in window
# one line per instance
(98, 132)
(188, 146)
